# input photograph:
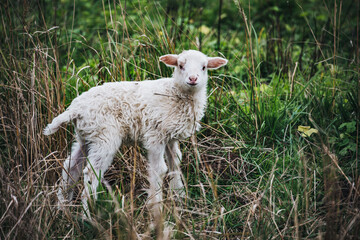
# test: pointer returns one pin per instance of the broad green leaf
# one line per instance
(350, 126)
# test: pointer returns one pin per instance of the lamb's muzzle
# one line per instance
(156, 113)
(192, 80)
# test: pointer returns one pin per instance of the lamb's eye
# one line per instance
(203, 68)
(181, 67)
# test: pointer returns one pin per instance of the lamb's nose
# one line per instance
(193, 79)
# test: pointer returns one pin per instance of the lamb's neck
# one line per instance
(198, 102)
(196, 97)
(200, 99)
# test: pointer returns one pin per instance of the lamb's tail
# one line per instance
(55, 124)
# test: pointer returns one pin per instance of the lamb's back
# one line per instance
(148, 111)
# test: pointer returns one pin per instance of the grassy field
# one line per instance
(278, 153)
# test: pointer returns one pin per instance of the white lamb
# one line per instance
(154, 113)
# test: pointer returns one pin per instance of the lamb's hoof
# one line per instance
(62, 204)
(163, 230)
(181, 193)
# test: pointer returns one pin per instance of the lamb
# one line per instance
(155, 113)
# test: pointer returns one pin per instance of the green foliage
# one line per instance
(348, 138)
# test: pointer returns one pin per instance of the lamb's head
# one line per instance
(191, 68)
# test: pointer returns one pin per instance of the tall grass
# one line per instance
(250, 173)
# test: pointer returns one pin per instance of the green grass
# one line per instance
(250, 173)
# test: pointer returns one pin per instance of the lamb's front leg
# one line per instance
(156, 170)
(173, 157)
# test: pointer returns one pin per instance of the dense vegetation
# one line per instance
(278, 153)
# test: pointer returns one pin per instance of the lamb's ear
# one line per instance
(216, 62)
(169, 59)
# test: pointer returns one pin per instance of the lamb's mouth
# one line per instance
(192, 83)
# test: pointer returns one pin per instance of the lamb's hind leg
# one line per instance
(100, 156)
(71, 172)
